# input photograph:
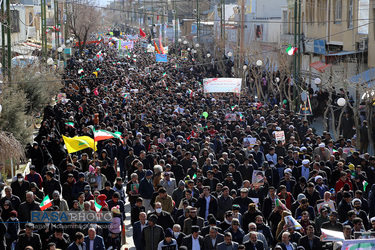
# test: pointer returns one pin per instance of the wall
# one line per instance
(21, 35)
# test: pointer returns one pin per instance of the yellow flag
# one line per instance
(95, 73)
(78, 143)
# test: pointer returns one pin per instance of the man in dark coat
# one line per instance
(20, 187)
(253, 242)
(26, 207)
(152, 234)
(79, 186)
(202, 203)
(29, 238)
(305, 241)
(51, 184)
(188, 240)
(213, 236)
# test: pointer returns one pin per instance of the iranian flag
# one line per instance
(101, 135)
(291, 50)
(191, 93)
(99, 54)
(97, 207)
(280, 204)
(46, 203)
(70, 124)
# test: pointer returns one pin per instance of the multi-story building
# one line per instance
(334, 37)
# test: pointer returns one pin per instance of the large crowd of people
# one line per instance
(194, 179)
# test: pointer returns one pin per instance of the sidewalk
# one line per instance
(128, 227)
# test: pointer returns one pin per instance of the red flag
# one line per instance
(142, 33)
(156, 48)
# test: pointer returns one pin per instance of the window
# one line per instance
(31, 19)
(15, 22)
(338, 11)
(285, 22)
(310, 8)
(322, 11)
(350, 14)
(363, 13)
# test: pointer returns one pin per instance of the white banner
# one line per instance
(211, 85)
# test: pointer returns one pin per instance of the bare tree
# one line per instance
(83, 19)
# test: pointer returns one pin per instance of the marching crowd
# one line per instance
(191, 176)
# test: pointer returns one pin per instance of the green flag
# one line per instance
(365, 184)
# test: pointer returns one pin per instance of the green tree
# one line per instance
(13, 118)
(39, 84)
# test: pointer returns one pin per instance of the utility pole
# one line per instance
(161, 27)
(221, 19)
(295, 54)
(3, 59)
(9, 42)
(240, 65)
(175, 23)
(152, 10)
(44, 28)
(198, 21)
(57, 32)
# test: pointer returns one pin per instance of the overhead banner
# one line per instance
(222, 85)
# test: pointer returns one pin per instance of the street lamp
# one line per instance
(341, 102)
(208, 55)
(188, 49)
(59, 50)
(185, 42)
(179, 40)
(244, 67)
(259, 63)
(197, 45)
(230, 54)
(317, 82)
(49, 61)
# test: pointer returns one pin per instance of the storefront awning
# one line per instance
(366, 77)
(320, 66)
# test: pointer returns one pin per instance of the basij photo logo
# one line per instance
(71, 217)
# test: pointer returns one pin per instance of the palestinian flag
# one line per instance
(46, 203)
(291, 50)
(80, 71)
(164, 74)
(70, 124)
(97, 207)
